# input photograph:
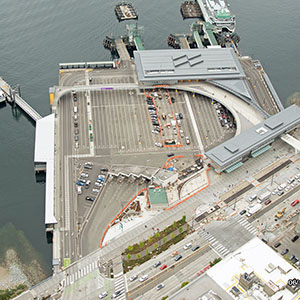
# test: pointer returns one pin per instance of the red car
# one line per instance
(163, 267)
(295, 202)
(268, 202)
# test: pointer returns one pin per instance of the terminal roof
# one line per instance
(44, 152)
(183, 64)
(255, 137)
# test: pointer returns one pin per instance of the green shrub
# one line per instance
(180, 229)
(128, 256)
(184, 284)
(142, 244)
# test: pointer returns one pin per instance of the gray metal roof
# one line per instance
(256, 137)
(182, 64)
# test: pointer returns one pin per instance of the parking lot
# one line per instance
(210, 127)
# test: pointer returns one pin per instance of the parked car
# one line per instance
(295, 238)
(277, 245)
(284, 251)
(90, 198)
(163, 266)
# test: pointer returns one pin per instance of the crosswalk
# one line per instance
(246, 224)
(215, 244)
(80, 273)
(120, 286)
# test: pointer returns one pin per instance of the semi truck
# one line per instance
(254, 209)
(265, 196)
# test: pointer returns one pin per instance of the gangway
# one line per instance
(208, 29)
(122, 50)
(138, 43)
(198, 39)
(11, 96)
(184, 43)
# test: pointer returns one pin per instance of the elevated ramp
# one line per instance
(295, 143)
(184, 43)
(7, 90)
(122, 50)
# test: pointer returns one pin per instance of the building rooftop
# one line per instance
(157, 196)
(44, 152)
(255, 256)
(184, 64)
(255, 137)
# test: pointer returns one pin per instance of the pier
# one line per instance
(184, 43)
(190, 9)
(15, 98)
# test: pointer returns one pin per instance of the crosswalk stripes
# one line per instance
(216, 245)
(120, 286)
(246, 224)
(76, 275)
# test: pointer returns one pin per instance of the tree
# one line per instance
(155, 246)
(157, 235)
(147, 251)
(130, 248)
(128, 256)
(174, 224)
(138, 255)
(180, 229)
(184, 284)
(142, 244)
(183, 218)
(150, 239)
(164, 239)
(172, 235)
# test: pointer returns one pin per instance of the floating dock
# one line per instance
(190, 9)
(125, 11)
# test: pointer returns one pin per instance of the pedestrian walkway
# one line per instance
(215, 244)
(246, 224)
(80, 273)
(120, 286)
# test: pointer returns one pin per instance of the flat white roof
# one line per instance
(44, 153)
(254, 256)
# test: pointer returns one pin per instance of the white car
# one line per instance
(155, 131)
(187, 246)
(133, 278)
(160, 286)
(98, 184)
(275, 192)
(288, 188)
(85, 175)
(95, 191)
(103, 295)
(143, 278)
(79, 190)
(158, 145)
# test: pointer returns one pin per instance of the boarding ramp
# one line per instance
(122, 50)
(198, 39)
(88, 65)
(13, 97)
(184, 43)
(208, 29)
(295, 143)
(138, 43)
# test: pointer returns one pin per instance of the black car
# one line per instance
(242, 212)
(284, 251)
(158, 263)
(280, 193)
(195, 248)
(295, 238)
(90, 198)
(172, 99)
(277, 245)
(75, 124)
(170, 154)
(155, 123)
(104, 170)
(177, 257)
(180, 116)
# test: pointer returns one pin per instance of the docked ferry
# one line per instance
(217, 13)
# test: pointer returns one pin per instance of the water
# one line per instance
(36, 35)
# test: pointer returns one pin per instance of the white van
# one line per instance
(75, 109)
(252, 198)
(79, 190)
